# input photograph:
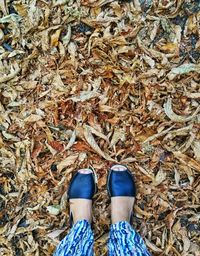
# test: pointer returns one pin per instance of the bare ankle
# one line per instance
(121, 208)
(81, 209)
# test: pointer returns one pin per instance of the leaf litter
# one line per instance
(91, 83)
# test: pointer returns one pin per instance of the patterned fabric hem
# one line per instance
(79, 241)
(124, 240)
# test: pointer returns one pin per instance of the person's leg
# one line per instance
(124, 240)
(78, 242)
(80, 239)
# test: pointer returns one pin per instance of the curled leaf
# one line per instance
(10, 18)
(149, 61)
(1, 34)
(71, 141)
(98, 133)
(9, 136)
(55, 233)
(177, 118)
(160, 177)
(55, 38)
(193, 95)
(59, 2)
(196, 148)
(153, 247)
(119, 134)
(139, 211)
(67, 37)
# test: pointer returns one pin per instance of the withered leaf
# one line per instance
(86, 83)
(177, 118)
(91, 141)
(67, 162)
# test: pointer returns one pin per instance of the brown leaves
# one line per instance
(56, 145)
(176, 118)
(187, 160)
(14, 70)
(89, 83)
(67, 162)
(32, 118)
(91, 141)
(37, 150)
(55, 38)
(183, 69)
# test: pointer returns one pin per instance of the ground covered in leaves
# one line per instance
(89, 83)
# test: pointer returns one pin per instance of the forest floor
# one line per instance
(91, 83)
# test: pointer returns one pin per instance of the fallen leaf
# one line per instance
(53, 209)
(196, 148)
(159, 178)
(187, 160)
(177, 118)
(67, 37)
(169, 47)
(67, 162)
(153, 247)
(71, 141)
(85, 95)
(56, 145)
(91, 141)
(183, 69)
(55, 38)
(32, 118)
(13, 73)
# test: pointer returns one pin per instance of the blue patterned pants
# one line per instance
(123, 241)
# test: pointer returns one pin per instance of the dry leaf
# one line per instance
(55, 37)
(53, 209)
(32, 118)
(67, 162)
(14, 71)
(67, 37)
(196, 148)
(85, 95)
(183, 69)
(71, 141)
(176, 118)
(153, 247)
(187, 160)
(160, 177)
(82, 84)
(97, 133)
(141, 212)
(91, 141)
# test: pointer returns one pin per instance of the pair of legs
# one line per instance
(124, 240)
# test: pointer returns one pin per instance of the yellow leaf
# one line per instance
(169, 47)
(21, 9)
(55, 38)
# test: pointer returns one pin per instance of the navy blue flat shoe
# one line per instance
(121, 183)
(82, 186)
